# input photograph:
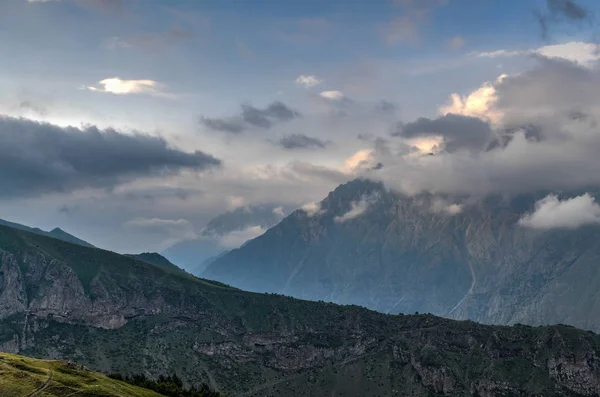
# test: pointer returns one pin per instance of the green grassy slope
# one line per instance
(23, 376)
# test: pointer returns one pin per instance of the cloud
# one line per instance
(38, 158)
(562, 13)
(332, 95)
(385, 107)
(301, 141)
(236, 238)
(479, 103)
(252, 117)
(357, 208)
(442, 206)
(458, 131)
(312, 209)
(33, 107)
(279, 212)
(553, 213)
(149, 42)
(546, 140)
(456, 42)
(235, 202)
(362, 159)
(308, 81)
(166, 231)
(115, 85)
(582, 53)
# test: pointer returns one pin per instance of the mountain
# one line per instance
(23, 376)
(428, 254)
(154, 258)
(55, 233)
(114, 313)
(222, 233)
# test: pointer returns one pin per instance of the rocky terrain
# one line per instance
(115, 313)
(453, 258)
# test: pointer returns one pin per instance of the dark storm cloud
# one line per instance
(301, 141)
(232, 125)
(459, 132)
(38, 158)
(252, 117)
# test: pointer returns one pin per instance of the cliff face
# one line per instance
(114, 313)
(407, 254)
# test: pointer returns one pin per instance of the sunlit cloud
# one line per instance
(116, 85)
(479, 103)
(332, 95)
(584, 54)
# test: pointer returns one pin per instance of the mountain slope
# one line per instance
(223, 232)
(114, 313)
(55, 233)
(154, 258)
(407, 254)
(22, 376)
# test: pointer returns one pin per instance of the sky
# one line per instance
(132, 123)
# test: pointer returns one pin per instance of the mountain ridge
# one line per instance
(57, 233)
(404, 254)
(115, 313)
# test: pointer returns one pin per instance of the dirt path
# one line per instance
(42, 387)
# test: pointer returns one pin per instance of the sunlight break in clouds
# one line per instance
(117, 86)
(308, 81)
(478, 103)
(359, 160)
(552, 213)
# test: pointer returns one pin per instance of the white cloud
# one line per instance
(235, 202)
(308, 81)
(442, 206)
(584, 54)
(552, 213)
(312, 209)
(166, 231)
(359, 160)
(236, 238)
(115, 85)
(279, 211)
(332, 95)
(357, 208)
(479, 103)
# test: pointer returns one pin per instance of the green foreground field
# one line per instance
(23, 377)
